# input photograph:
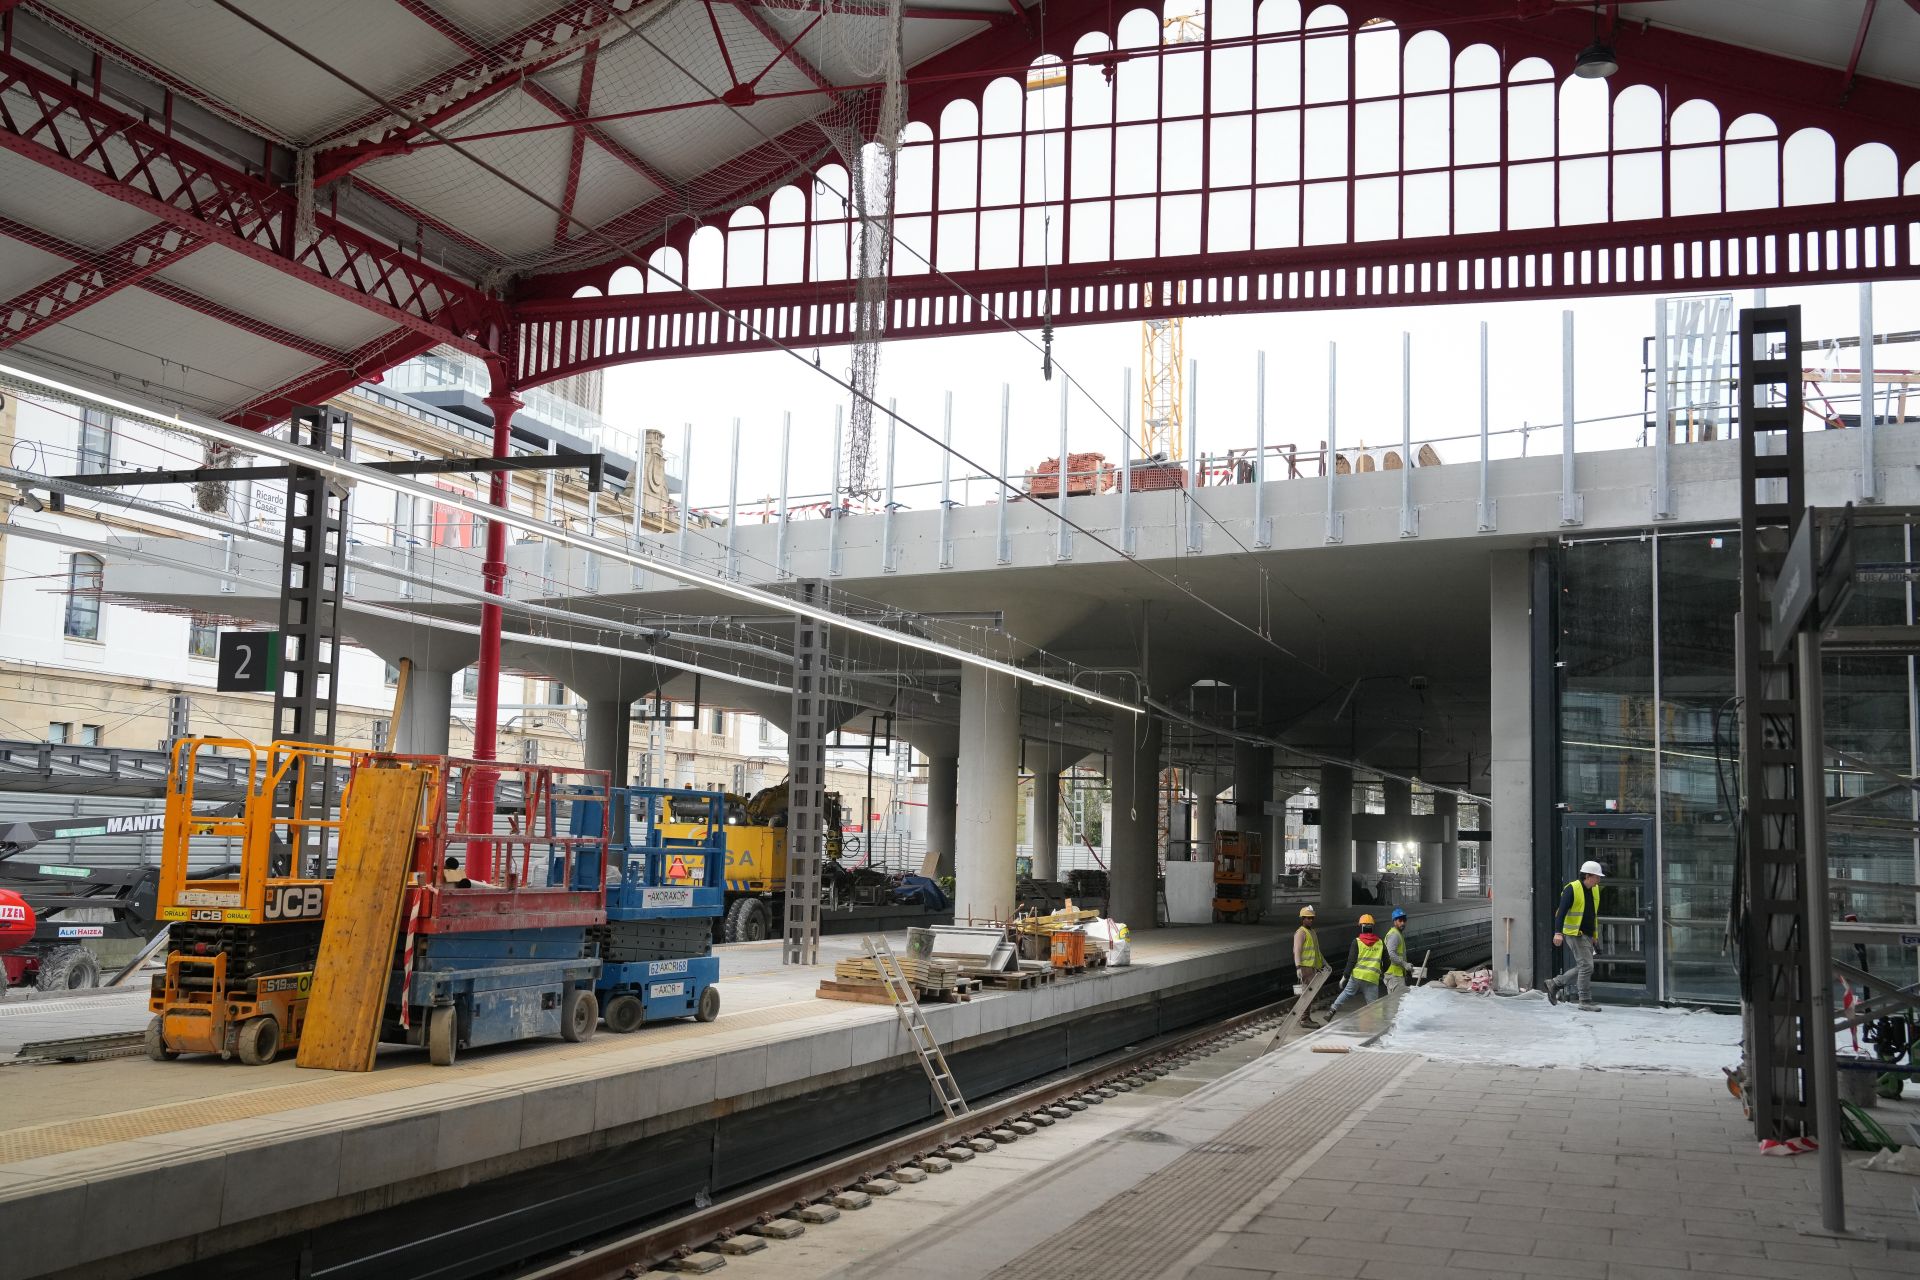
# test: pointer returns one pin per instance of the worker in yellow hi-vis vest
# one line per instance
(1366, 960)
(1307, 960)
(1576, 922)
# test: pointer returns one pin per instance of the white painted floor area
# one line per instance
(1526, 1031)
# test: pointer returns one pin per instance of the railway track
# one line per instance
(738, 1223)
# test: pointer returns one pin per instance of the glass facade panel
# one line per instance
(1606, 677)
(1607, 750)
(1868, 717)
(1699, 596)
(1649, 744)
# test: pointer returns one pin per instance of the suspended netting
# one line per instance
(693, 113)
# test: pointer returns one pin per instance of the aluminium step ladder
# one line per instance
(932, 1060)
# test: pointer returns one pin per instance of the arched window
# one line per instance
(85, 577)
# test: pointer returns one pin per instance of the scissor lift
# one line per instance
(241, 946)
(664, 893)
(506, 958)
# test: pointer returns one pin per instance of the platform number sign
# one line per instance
(249, 661)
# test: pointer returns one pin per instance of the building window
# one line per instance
(720, 723)
(203, 640)
(96, 442)
(556, 693)
(89, 735)
(766, 732)
(391, 676)
(60, 732)
(85, 574)
(530, 751)
(470, 683)
(739, 779)
(382, 730)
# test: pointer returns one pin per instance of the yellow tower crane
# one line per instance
(1163, 344)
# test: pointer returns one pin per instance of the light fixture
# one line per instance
(1596, 62)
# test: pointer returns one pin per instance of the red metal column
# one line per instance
(486, 702)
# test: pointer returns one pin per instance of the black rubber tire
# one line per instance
(157, 1043)
(624, 1014)
(259, 1040)
(579, 1015)
(443, 1035)
(709, 1005)
(747, 920)
(68, 969)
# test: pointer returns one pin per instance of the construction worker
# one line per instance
(1307, 961)
(1365, 960)
(1397, 965)
(1577, 921)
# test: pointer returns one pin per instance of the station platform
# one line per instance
(127, 1167)
(1383, 1161)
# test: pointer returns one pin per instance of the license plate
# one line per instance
(659, 989)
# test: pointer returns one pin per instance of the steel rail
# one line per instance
(650, 1246)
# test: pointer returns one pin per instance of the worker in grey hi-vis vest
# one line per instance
(1577, 927)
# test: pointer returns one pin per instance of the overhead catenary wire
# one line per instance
(745, 324)
(352, 471)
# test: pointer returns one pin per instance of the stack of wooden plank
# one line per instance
(1069, 917)
(858, 979)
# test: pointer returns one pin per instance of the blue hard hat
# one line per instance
(1399, 913)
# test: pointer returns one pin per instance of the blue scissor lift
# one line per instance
(663, 895)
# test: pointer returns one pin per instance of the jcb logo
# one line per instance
(296, 902)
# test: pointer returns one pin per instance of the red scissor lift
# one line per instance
(498, 950)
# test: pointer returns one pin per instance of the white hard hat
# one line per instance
(1592, 869)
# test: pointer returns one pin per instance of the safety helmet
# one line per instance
(1399, 913)
(1592, 869)
(1306, 913)
(1365, 919)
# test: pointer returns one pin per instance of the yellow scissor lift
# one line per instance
(242, 942)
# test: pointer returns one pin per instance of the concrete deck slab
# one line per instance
(261, 1149)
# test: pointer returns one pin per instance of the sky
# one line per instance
(1524, 340)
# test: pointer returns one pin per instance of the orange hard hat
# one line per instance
(1366, 919)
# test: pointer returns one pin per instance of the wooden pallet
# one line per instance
(874, 993)
(1009, 979)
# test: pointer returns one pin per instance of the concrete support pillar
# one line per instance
(1336, 837)
(1366, 853)
(943, 783)
(426, 718)
(1398, 798)
(1511, 768)
(603, 744)
(1448, 808)
(1252, 786)
(989, 780)
(1134, 765)
(1043, 817)
(1206, 820)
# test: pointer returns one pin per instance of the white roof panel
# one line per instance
(378, 42)
(167, 350)
(1817, 31)
(266, 293)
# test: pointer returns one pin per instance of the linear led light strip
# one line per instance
(266, 446)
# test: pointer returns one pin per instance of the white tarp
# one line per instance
(1526, 1031)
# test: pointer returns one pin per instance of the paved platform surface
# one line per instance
(1391, 1166)
(107, 1159)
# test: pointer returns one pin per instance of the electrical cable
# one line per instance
(741, 321)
